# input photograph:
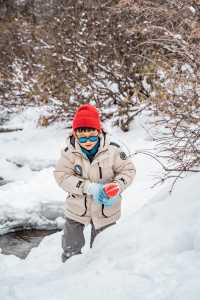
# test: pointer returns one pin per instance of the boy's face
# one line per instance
(88, 145)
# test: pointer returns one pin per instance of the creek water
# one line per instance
(21, 242)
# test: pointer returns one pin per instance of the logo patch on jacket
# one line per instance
(78, 170)
(123, 155)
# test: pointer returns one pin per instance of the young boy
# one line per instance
(94, 171)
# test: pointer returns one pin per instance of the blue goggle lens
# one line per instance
(90, 138)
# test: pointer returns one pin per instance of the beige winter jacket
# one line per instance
(73, 171)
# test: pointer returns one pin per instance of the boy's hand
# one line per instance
(106, 194)
(111, 189)
(97, 191)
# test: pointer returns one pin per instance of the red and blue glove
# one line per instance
(97, 192)
(111, 191)
(107, 194)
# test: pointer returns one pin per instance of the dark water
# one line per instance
(20, 243)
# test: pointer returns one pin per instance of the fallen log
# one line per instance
(4, 130)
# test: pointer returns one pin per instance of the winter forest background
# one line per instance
(124, 56)
(138, 61)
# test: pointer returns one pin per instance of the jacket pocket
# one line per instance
(108, 212)
(106, 173)
(76, 204)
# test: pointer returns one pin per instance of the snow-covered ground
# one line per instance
(26, 161)
(151, 254)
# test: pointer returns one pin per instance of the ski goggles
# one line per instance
(93, 138)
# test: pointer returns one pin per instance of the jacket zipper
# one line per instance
(100, 171)
(85, 207)
(100, 176)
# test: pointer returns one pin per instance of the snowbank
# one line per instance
(152, 254)
(35, 204)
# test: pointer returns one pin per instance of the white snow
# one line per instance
(146, 85)
(151, 254)
(187, 68)
(27, 159)
(192, 9)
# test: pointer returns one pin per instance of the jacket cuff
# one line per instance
(121, 184)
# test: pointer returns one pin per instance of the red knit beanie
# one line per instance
(86, 116)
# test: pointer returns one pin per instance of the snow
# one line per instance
(152, 253)
(146, 85)
(27, 160)
(192, 9)
(187, 68)
(32, 203)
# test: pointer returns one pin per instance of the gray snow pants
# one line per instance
(73, 238)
